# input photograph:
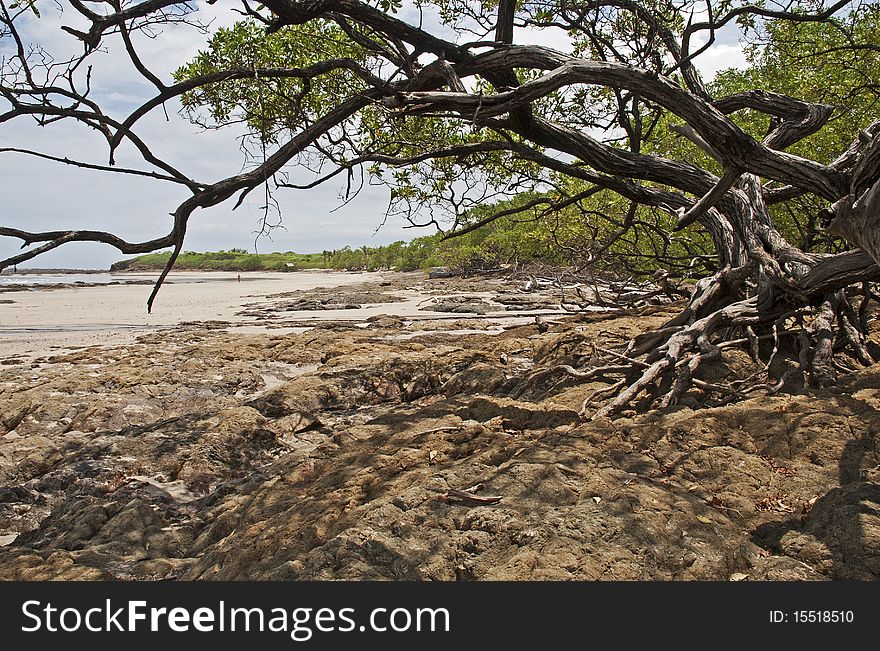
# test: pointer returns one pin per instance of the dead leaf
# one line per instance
(774, 502)
(704, 519)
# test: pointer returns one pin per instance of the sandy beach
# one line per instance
(43, 320)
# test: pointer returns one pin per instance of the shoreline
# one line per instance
(125, 272)
(50, 271)
(47, 320)
(42, 320)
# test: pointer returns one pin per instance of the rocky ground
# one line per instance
(391, 448)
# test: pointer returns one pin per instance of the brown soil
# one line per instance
(200, 453)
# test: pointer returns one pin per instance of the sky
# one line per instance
(41, 195)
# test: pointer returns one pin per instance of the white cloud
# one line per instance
(719, 57)
(551, 37)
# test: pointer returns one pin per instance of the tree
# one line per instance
(789, 58)
(461, 114)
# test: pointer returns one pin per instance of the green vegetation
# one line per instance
(569, 237)
(568, 224)
(599, 228)
(233, 260)
(792, 58)
(399, 256)
(509, 240)
(421, 253)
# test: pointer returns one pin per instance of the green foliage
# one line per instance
(421, 253)
(807, 61)
(269, 105)
(811, 61)
(390, 6)
(232, 260)
(27, 4)
(514, 239)
(590, 232)
(418, 254)
(784, 57)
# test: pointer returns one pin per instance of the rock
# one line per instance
(839, 537)
(459, 305)
(517, 415)
(385, 321)
(239, 420)
(122, 265)
(480, 378)
(517, 302)
(174, 491)
(12, 414)
(42, 459)
(287, 427)
(197, 453)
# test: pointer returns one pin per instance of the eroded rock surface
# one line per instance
(202, 453)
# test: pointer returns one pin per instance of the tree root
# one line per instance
(658, 368)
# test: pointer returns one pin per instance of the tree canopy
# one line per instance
(742, 185)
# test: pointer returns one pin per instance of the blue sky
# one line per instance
(40, 195)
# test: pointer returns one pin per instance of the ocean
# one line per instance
(37, 280)
(73, 279)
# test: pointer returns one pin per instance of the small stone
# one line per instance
(7, 539)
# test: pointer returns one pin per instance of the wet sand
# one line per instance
(49, 321)
(41, 321)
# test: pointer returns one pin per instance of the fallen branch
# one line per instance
(467, 495)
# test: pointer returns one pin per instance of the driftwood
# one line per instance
(468, 495)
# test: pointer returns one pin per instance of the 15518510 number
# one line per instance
(823, 616)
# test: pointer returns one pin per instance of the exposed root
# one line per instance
(821, 370)
(599, 394)
(854, 334)
(659, 368)
(580, 291)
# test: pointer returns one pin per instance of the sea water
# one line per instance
(74, 279)
(37, 280)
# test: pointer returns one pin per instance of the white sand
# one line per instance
(51, 321)
(42, 321)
